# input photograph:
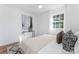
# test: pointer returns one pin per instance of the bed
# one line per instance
(44, 44)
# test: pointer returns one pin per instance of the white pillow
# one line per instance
(77, 33)
(76, 48)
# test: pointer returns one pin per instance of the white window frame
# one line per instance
(51, 21)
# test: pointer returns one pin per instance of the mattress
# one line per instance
(44, 44)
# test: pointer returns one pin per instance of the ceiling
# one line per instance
(33, 8)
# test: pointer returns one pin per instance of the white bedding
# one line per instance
(51, 48)
(44, 44)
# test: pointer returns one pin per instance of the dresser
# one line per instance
(28, 35)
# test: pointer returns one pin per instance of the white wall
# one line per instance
(10, 24)
(10, 28)
(72, 17)
(44, 21)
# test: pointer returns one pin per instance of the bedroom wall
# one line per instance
(72, 17)
(44, 21)
(10, 27)
(10, 24)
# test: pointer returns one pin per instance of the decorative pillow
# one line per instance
(59, 37)
(69, 40)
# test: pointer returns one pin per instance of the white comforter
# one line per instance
(42, 44)
(52, 48)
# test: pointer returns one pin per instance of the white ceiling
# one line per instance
(33, 8)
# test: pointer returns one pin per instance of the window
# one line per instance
(58, 21)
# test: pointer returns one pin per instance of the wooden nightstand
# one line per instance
(3, 50)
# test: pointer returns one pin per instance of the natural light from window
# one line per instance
(57, 22)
